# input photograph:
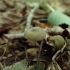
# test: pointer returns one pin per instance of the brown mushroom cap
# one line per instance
(35, 34)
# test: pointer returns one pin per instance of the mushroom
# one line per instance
(57, 41)
(35, 34)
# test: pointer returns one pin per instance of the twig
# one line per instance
(27, 55)
(15, 36)
(39, 17)
(61, 50)
(30, 16)
(50, 7)
(1, 66)
(55, 55)
(63, 47)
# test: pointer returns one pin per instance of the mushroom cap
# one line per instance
(58, 42)
(35, 34)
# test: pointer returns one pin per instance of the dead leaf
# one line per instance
(3, 7)
(56, 30)
(54, 66)
(9, 3)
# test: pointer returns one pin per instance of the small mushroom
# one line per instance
(33, 51)
(35, 34)
(57, 41)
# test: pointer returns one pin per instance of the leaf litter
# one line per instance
(19, 53)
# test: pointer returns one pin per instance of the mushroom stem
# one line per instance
(39, 55)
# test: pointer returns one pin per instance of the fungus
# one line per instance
(35, 34)
(33, 51)
(57, 41)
